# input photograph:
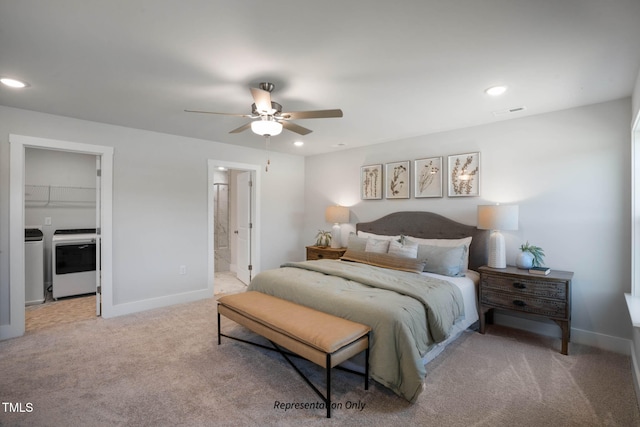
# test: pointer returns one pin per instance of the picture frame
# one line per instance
(371, 182)
(427, 174)
(397, 180)
(464, 175)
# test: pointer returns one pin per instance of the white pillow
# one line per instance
(377, 236)
(445, 243)
(405, 249)
(377, 245)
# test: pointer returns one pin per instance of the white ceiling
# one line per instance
(397, 69)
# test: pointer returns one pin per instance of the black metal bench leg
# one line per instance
(366, 363)
(219, 336)
(328, 385)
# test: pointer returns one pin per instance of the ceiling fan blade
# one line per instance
(318, 114)
(241, 128)
(262, 99)
(295, 128)
(224, 114)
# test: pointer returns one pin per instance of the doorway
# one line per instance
(18, 145)
(60, 197)
(233, 225)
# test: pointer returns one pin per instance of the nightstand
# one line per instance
(324, 252)
(513, 289)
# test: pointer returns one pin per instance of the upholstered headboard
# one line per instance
(428, 225)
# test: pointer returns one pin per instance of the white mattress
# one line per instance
(467, 286)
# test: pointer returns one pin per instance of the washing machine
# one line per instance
(73, 262)
(34, 292)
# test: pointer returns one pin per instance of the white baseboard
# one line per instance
(165, 301)
(635, 370)
(578, 336)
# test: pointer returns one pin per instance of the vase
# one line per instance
(524, 260)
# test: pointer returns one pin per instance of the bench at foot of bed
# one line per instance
(321, 338)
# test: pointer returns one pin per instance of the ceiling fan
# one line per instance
(270, 115)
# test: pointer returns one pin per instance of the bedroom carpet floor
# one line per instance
(163, 367)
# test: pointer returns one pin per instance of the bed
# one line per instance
(413, 313)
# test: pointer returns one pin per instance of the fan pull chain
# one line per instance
(266, 143)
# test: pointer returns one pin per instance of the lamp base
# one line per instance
(335, 236)
(497, 255)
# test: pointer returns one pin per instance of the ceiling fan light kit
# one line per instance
(266, 127)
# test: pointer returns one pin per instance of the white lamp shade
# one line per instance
(337, 214)
(498, 217)
(266, 127)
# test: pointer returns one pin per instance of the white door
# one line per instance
(244, 231)
(98, 238)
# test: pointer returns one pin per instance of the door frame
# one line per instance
(255, 234)
(17, 146)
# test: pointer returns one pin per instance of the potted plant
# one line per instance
(530, 256)
(323, 238)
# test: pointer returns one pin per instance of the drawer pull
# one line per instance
(519, 285)
(519, 303)
(320, 256)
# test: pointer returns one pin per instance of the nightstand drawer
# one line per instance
(319, 252)
(526, 287)
(524, 303)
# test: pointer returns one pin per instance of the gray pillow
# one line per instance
(357, 243)
(442, 260)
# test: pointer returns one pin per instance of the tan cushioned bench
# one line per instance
(319, 337)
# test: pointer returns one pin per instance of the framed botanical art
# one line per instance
(371, 182)
(397, 180)
(464, 175)
(428, 177)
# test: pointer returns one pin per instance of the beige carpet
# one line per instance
(164, 367)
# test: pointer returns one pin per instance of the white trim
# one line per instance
(18, 144)
(635, 371)
(578, 336)
(255, 248)
(635, 207)
(164, 301)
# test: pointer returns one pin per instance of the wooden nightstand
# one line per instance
(517, 290)
(324, 252)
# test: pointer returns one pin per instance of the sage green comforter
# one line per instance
(408, 312)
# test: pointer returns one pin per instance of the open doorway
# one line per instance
(60, 208)
(233, 225)
(104, 189)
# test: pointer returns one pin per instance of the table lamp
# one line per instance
(336, 215)
(496, 218)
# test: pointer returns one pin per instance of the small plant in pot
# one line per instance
(531, 256)
(323, 238)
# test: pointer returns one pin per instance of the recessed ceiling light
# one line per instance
(298, 143)
(13, 83)
(496, 90)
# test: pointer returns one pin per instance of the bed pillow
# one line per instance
(384, 260)
(377, 236)
(379, 246)
(448, 261)
(445, 243)
(356, 243)
(403, 248)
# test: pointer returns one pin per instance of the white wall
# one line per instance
(568, 171)
(160, 204)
